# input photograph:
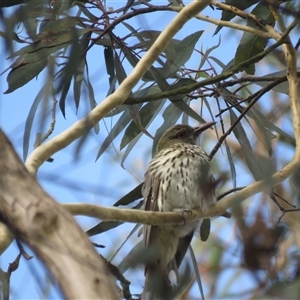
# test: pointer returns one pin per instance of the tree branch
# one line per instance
(51, 232)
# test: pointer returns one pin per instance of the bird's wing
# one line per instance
(150, 193)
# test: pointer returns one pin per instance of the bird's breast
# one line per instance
(183, 173)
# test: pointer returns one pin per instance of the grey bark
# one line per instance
(50, 231)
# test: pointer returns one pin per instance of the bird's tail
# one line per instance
(157, 285)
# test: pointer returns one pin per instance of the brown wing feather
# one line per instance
(150, 193)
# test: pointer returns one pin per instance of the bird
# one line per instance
(178, 178)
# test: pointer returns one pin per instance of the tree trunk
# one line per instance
(50, 231)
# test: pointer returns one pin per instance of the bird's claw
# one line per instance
(181, 211)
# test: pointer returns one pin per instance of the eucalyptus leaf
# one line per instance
(21, 75)
(251, 44)
(249, 156)
(122, 122)
(228, 15)
(30, 118)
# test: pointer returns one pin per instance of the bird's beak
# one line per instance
(203, 127)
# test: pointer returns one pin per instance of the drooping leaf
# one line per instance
(207, 53)
(135, 228)
(251, 44)
(205, 230)
(227, 15)
(78, 75)
(136, 139)
(30, 118)
(249, 156)
(92, 102)
(48, 40)
(78, 79)
(188, 110)
(129, 198)
(108, 225)
(13, 36)
(61, 24)
(32, 10)
(109, 58)
(68, 72)
(280, 88)
(122, 122)
(23, 74)
(231, 165)
(31, 26)
(116, 111)
(180, 54)
(286, 136)
(135, 256)
(133, 109)
(147, 112)
(133, 60)
(86, 11)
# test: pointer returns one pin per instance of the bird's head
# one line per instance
(181, 133)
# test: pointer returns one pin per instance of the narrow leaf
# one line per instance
(249, 156)
(23, 74)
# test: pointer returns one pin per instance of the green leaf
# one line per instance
(78, 75)
(249, 155)
(61, 25)
(136, 139)
(280, 88)
(129, 198)
(116, 111)
(13, 36)
(69, 71)
(188, 110)
(109, 58)
(133, 60)
(31, 26)
(78, 78)
(147, 113)
(122, 122)
(251, 44)
(205, 230)
(177, 56)
(23, 74)
(227, 15)
(32, 10)
(231, 165)
(49, 40)
(86, 11)
(207, 52)
(133, 109)
(185, 48)
(93, 103)
(30, 118)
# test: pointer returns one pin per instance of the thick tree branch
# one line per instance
(51, 232)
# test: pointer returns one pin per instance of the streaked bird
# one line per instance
(178, 179)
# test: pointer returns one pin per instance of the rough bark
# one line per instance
(50, 231)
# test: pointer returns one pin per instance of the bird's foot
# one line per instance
(181, 211)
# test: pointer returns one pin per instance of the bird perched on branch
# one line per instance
(178, 179)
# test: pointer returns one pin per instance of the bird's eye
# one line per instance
(179, 135)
